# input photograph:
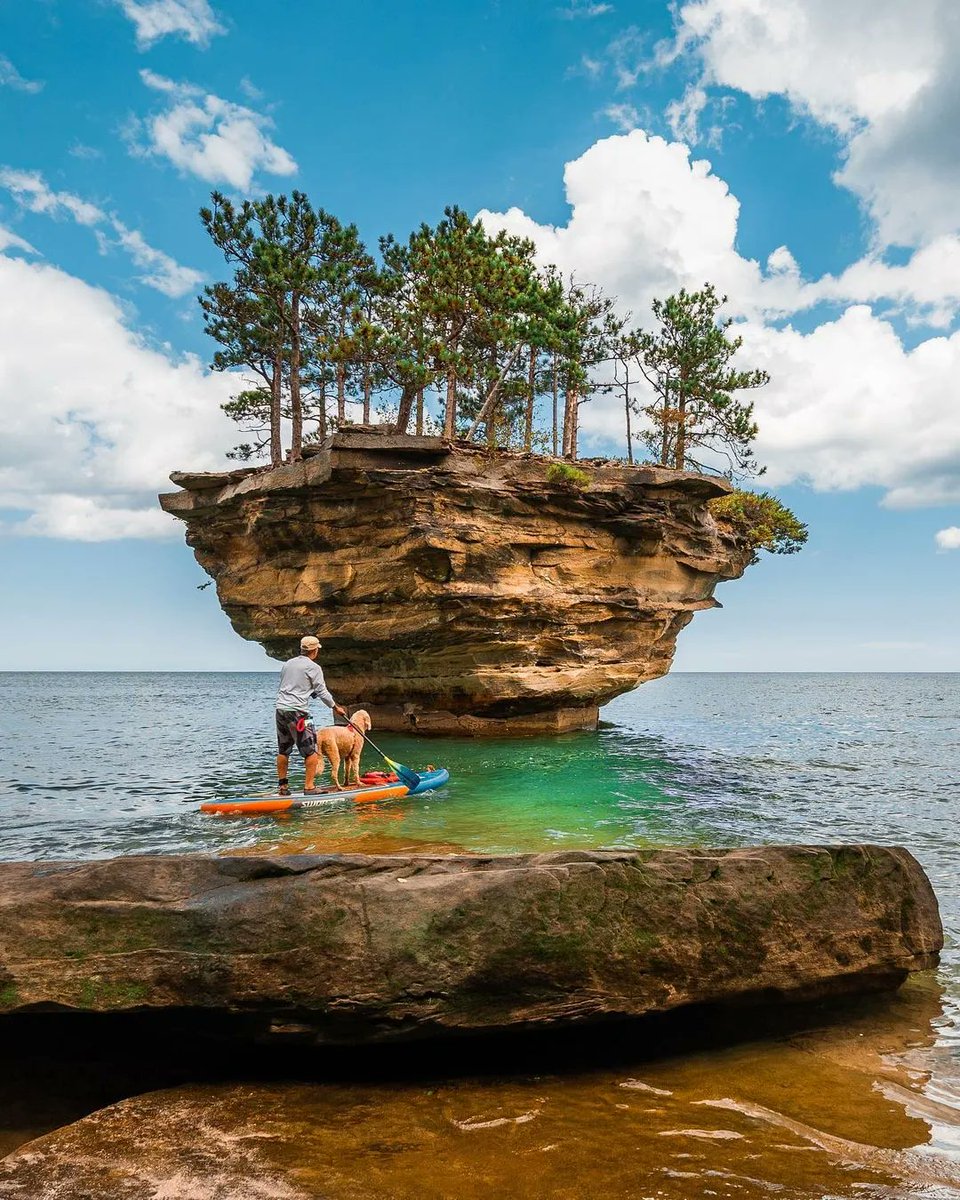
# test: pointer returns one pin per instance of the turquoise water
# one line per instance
(95, 765)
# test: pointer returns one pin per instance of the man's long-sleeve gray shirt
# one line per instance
(300, 681)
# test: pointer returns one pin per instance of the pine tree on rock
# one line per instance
(248, 339)
(399, 341)
(695, 416)
(272, 244)
(588, 329)
(346, 271)
(523, 310)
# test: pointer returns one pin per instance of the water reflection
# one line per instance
(835, 1101)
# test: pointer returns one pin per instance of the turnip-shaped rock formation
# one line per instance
(456, 591)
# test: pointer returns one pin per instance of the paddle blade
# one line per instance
(410, 778)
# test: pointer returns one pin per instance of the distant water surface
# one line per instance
(102, 764)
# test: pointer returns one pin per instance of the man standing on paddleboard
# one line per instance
(301, 680)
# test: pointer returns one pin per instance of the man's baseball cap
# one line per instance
(309, 643)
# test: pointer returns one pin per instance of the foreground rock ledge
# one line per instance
(456, 591)
(361, 948)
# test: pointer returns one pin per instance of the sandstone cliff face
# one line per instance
(458, 592)
(364, 949)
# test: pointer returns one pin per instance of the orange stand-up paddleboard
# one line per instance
(382, 789)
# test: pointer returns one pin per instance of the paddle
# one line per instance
(410, 778)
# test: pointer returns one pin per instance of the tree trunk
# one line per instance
(341, 393)
(531, 397)
(322, 413)
(681, 453)
(491, 400)
(555, 398)
(626, 406)
(450, 412)
(495, 410)
(571, 412)
(276, 385)
(420, 413)
(664, 426)
(296, 407)
(366, 393)
(403, 412)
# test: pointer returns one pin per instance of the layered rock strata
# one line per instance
(361, 948)
(456, 591)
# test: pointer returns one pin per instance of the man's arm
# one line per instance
(321, 691)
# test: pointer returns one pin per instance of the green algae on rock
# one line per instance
(372, 948)
(460, 592)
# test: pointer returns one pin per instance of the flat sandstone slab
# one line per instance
(364, 948)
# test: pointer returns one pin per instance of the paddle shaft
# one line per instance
(396, 766)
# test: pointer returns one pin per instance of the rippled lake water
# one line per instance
(95, 765)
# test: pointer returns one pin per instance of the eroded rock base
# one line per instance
(410, 718)
(827, 1100)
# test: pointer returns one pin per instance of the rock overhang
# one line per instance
(459, 591)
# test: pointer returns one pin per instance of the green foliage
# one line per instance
(761, 521)
(273, 245)
(465, 318)
(687, 362)
(567, 476)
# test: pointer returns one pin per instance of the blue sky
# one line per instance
(827, 213)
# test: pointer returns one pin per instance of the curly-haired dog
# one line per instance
(340, 743)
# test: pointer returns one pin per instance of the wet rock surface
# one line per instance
(836, 1105)
(456, 591)
(357, 948)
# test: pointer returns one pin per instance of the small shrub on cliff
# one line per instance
(761, 521)
(567, 476)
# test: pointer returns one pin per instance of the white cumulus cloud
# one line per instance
(849, 404)
(214, 139)
(158, 270)
(193, 20)
(949, 538)
(93, 418)
(880, 73)
(644, 219)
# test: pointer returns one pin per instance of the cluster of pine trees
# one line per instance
(315, 322)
